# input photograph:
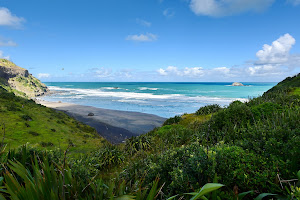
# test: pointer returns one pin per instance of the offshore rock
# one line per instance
(237, 84)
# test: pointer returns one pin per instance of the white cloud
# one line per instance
(162, 72)
(186, 72)
(169, 12)
(9, 19)
(294, 2)
(43, 75)
(143, 22)
(102, 72)
(278, 52)
(223, 70)
(124, 73)
(264, 70)
(193, 71)
(275, 58)
(219, 8)
(171, 70)
(7, 43)
(148, 37)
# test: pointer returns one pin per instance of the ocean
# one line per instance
(162, 99)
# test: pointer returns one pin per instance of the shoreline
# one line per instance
(114, 125)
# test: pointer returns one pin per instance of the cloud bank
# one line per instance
(273, 61)
(193, 72)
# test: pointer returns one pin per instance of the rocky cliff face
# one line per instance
(20, 81)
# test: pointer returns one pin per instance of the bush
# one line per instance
(46, 144)
(180, 169)
(26, 117)
(236, 115)
(236, 166)
(265, 110)
(109, 156)
(33, 133)
(209, 109)
(173, 120)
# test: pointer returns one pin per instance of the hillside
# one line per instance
(249, 147)
(42, 127)
(290, 85)
(19, 80)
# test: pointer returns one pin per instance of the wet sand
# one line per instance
(113, 125)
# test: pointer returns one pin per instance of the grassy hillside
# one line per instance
(245, 146)
(27, 122)
(290, 84)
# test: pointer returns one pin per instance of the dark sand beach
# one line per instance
(113, 125)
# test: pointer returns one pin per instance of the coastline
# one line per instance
(114, 125)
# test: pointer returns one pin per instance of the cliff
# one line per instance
(20, 81)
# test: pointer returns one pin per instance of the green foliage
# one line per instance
(265, 110)
(26, 117)
(287, 84)
(244, 146)
(28, 122)
(109, 156)
(179, 168)
(236, 166)
(207, 188)
(209, 109)
(173, 120)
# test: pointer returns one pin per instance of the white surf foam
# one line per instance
(146, 88)
(133, 96)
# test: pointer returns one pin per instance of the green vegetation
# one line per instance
(24, 121)
(248, 147)
(18, 80)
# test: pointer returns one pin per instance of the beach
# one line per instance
(114, 125)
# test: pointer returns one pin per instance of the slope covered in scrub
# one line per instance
(249, 147)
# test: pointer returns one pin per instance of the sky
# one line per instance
(152, 40)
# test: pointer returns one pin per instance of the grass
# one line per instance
(296, 91)
(27, 122)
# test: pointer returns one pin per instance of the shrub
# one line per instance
(33, 133)
(26, 117)
(180, 169)
(46, 144)
(235, 115)
(173, 120)
(265, 110)
(205, 110)
(247, 170)
(109, 156)
(12, 107)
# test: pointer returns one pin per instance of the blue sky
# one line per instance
(152, 40)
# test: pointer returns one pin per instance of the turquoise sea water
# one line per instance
(163, 99)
